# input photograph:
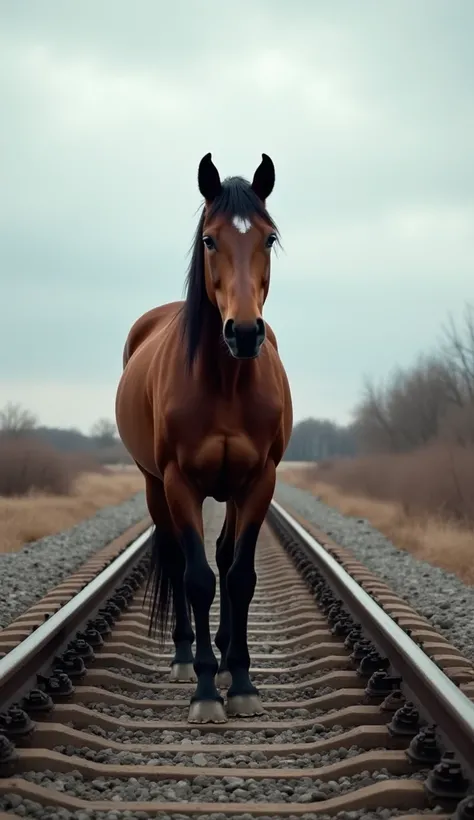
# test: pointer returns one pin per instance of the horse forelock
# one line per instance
(238, 200)
(237, 203)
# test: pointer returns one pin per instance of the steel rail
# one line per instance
(438, 695)
(27, 659)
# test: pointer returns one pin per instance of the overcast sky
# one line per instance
(106, 109)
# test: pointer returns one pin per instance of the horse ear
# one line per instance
(264, 178)
(208, 179)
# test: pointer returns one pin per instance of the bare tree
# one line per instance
(15, 420)
(105, 432)
(372, 422)
(458, 349)
(434, 398)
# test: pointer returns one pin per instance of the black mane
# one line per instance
(236, 199)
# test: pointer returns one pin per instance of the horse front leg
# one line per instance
(242, 696)
(200, 585)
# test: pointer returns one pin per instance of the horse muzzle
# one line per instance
(244, 339)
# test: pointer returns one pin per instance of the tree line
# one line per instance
(18, 423)
(433, 400)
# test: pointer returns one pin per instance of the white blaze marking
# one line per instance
(242, 225)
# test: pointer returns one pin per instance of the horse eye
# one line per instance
(270, 240)
(209, 243)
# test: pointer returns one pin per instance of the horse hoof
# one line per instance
(206, 711)
(223, 680)
(182, 673)
(244, 706)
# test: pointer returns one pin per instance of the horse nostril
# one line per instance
(229, 330)
(260, 328)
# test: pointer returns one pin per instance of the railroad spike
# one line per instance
(37, 702)
(465, 809)
(405, 722)
(446, 782)
(424, 747)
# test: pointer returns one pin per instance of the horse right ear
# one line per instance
(209, 180)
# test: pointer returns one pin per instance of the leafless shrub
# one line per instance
(28, 465)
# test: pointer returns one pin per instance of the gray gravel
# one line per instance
(39, 566)
(316, 731)
(180, 712)
(257, 677)
(186, 690)
(208, 789)
(438, 595)
(228, 759)
(30, 809)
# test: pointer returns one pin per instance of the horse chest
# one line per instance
(219, 446)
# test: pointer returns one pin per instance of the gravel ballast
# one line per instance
(40, 565)
(228, 789)
(126, 734)
(186, 690)
(437, 595)
(29, 808)
(228, 759)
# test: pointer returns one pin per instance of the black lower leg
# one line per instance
(224, 556)
(241, 581)
(200, 586)
(183, 635)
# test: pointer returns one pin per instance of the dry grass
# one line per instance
(26, 518)
(443, 542)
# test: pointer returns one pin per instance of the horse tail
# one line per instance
(163, 566)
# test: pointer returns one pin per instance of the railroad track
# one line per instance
(352, 679)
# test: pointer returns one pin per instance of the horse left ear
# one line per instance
(264, 178)
(208, 179)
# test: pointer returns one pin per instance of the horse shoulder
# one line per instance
(150, 322)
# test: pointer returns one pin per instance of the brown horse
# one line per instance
(204, 408)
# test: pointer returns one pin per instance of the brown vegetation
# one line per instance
(46, 489)
(24, 519)
(28, 465)
(437, 480)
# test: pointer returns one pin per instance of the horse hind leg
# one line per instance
(167, 583)
(207, 705)
(224, 556)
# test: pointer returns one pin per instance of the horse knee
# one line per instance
(241, 582)
(200, 584)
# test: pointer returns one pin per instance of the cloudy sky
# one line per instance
(106, 109)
